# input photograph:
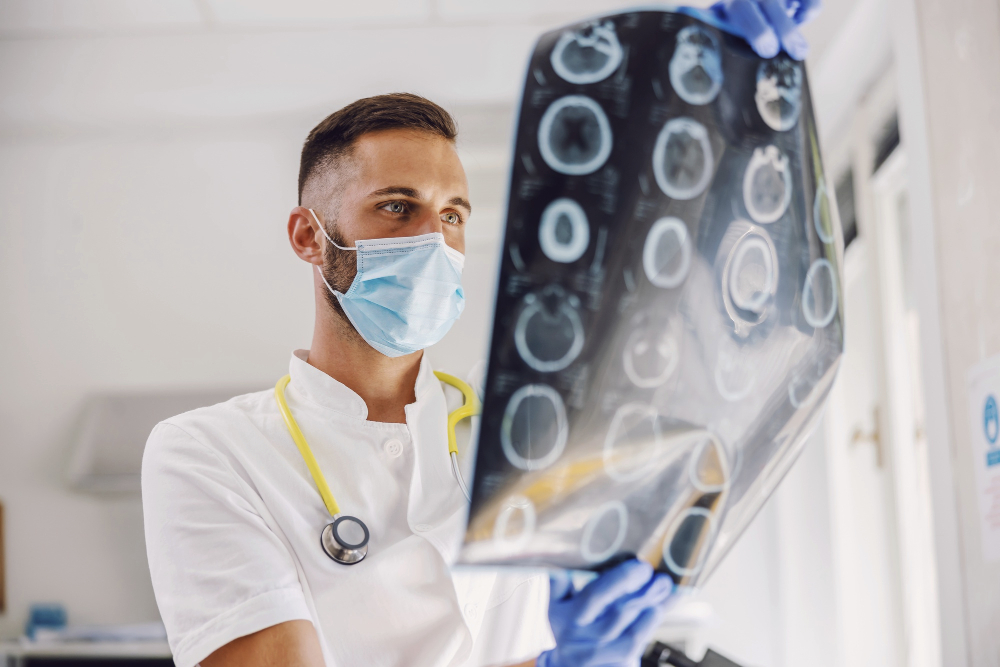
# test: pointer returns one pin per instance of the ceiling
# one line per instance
(110, 65)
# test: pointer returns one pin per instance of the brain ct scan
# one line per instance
(574, 135)
(564, 232)
(684, 554)
(682, 158)
(632, 442)
(752, 276)
(696, 67)
(735, 374)
(650, 356)
(605, 531)
(667, 322)
(515, 524)
(779, 92)
(587, 55)
(819, 294)
(534, 427)
(821, 214)
(767, 185)
(549, 331)
(708, 469)
(666, 256)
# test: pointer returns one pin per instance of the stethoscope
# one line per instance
(345, 539)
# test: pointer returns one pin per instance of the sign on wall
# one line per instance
(984, 399)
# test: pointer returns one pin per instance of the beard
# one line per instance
(339, 268)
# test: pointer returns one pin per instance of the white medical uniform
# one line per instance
(233, 522)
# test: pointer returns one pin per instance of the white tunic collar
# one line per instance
(328, 393)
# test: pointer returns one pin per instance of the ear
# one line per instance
(305, 236)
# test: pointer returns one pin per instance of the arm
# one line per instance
(288, 644)
(219, 572)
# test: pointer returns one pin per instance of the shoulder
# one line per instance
(206, 434)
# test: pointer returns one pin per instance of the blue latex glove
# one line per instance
(608, 622)
(770, 25)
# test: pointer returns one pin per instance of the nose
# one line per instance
(426, 223)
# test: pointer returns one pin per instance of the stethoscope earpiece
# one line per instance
(345, 540)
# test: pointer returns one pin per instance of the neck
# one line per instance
(385, 383)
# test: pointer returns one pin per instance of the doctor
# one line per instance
(233, 513)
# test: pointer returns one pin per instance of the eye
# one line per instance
(452, 218)
(396, 207)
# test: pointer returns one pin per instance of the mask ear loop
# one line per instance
(333, 243)
(323, 229)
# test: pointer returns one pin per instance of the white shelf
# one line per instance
(19, 649)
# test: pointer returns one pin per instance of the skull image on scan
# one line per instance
(564, 232)
(587, 55)
(696, 67)
(767, 185)
(668, 318)
(682, 158)
(549, 331)
(574, 135)
(779, 92)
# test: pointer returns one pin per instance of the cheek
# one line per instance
(454, 236)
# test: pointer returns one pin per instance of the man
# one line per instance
(233, 514)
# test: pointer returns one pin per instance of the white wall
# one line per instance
(949, 93)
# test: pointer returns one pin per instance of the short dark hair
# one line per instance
(335, 136)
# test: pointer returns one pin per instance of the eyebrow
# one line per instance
(464, 203)
(404, 191)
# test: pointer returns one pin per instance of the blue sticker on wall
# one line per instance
(991, 428)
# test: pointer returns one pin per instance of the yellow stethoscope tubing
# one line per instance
(470, 408)
(300, 441)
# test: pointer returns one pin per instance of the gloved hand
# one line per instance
(609, 621)
(769, 25)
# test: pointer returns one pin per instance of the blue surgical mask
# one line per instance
(407, 293)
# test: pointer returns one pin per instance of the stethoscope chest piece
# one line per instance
(345, 540)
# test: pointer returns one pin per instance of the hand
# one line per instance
(608, 622)
(769, 25)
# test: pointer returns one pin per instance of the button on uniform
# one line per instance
(393, 447)
(471, 610)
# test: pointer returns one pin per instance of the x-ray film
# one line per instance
(668, 319)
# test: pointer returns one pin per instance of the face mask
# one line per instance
(407, 292)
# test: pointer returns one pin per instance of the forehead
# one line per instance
(412, 158)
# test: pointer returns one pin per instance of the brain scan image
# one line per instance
(767, 185)
(515, 524)
(735, 372)
(564, 232)
(821, 214)
(574, 136)
(587, 55)
(668, 320)
(682, 158)
(779, 92)
(819, 294)
(534, 428)
(666, 255)
(651, 355)
(549, 331)
(708, 469)
(632, 423)
(684, 554)
(753, 276)
(696, 67)
(604, 532)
